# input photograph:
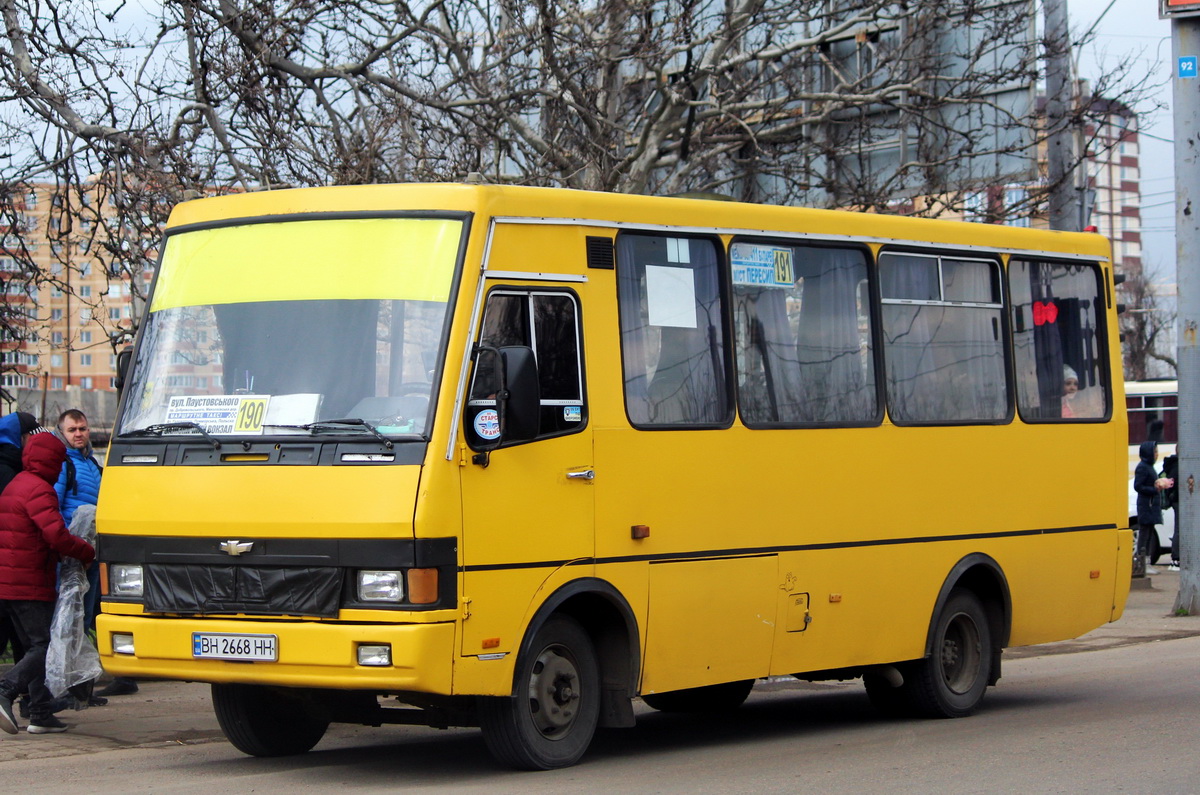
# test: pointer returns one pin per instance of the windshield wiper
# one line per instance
(163, 427)
(351, 421)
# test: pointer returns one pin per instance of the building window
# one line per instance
(56, 339)
(56, 382)
(85, 336)
(86, 382)
(114, 313)
(56, 314)
(56, 360)
(85, 291)
(85, 360)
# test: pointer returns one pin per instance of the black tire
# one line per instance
(265, 721)
(550, 719)
(724, 697)
(951, 681)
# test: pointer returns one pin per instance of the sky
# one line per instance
(1131, 30)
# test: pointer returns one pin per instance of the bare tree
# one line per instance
(864, 103)
(1145, 326)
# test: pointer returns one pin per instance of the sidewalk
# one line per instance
(163, 714)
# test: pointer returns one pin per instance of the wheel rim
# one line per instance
(554, 693)
(961, 654)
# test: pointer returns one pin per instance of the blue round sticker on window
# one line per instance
(487, 424)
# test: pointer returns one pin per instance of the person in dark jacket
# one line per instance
(32, 539)
(1148, 486)
(14, 428)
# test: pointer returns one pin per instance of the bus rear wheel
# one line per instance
(712, 698)
(951, 681)
(264, 721)
(552, 715)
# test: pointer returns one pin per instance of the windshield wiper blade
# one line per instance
(351, 421)
(162, 427)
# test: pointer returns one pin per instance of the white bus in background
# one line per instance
(1146, 403)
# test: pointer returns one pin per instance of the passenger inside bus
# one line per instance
(1070, 390)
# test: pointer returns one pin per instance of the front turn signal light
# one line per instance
(422, 586)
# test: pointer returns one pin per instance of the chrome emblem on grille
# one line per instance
(234, 547)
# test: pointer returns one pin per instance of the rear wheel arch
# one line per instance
(983, 576)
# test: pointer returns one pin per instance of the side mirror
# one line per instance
(521, 407)
(124, 356)
(505, 403)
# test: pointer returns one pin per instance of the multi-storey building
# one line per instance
(69, 302)
(1112, 196)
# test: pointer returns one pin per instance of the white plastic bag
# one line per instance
(71, 659)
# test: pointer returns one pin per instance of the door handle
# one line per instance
(587, 474)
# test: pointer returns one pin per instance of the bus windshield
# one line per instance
(268, 328)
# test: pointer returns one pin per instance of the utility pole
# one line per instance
(1185, 40)
(1065, 202)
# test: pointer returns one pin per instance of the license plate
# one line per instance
(222, 646)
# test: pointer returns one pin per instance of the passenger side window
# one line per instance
(672, 338)
(802, 324)
(943, 339)
(1058, 340)
(547, 322)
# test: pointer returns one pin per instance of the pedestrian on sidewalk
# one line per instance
(15, 428)
(79, 484)
(32, 540)
(1148, 486)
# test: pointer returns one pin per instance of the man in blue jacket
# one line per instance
(79, 484)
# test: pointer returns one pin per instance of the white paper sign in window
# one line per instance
(671, 297)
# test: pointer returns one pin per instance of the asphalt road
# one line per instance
(1116, 719)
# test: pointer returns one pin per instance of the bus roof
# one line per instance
(627, 211)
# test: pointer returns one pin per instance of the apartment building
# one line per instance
(69, 300)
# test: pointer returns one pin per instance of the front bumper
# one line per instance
(311, 653)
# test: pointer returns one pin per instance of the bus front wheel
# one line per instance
(264, 721)
(549, 720)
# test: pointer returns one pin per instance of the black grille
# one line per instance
(252, 590)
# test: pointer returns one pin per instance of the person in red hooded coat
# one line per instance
(32, 540)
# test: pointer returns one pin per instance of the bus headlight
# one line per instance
(380, 586)
(124, 579)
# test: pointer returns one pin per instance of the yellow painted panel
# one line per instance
(263, 501)
(377, 258)
(710, 621)
(311, 654)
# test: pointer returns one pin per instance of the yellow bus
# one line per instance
(511, 457)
